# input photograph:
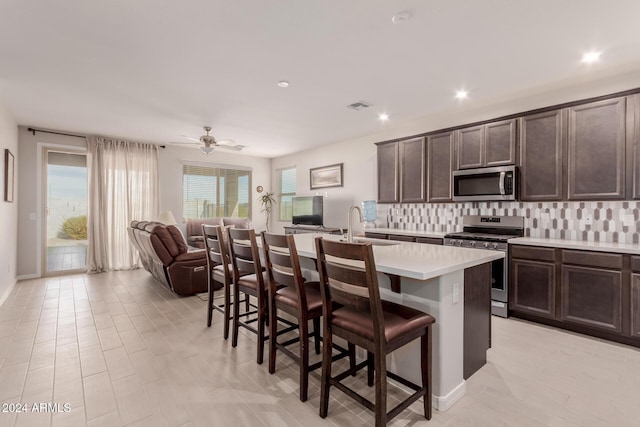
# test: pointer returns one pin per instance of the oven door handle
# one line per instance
(503, 175)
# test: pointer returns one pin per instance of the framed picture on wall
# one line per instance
(9, 175)
(326, 176)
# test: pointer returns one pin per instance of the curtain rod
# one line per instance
(34, 130)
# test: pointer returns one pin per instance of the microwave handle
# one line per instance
(502, 178)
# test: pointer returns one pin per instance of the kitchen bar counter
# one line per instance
(452, 284)
(619, 248)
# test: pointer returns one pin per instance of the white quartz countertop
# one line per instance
(620, 248)
(401, 232)
(407, 259)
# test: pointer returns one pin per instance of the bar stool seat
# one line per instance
(288, 296)
(251, 281)
(400, 323)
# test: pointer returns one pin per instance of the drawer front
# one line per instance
(592, 259)
(430, 240)
(533, 252)
(635, 264)
(376, 235)
(401, 238)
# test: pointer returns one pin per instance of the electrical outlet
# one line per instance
(456, 293)
(588, 220)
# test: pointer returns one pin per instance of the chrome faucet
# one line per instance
(349, 229)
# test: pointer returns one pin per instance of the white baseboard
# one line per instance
(28, 276)
(442, 403)
(4, 297)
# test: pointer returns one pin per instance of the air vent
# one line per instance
(360, 105)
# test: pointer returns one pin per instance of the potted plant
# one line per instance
(267, 200)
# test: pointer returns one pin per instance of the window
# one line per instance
(287, 186)
(212, 191)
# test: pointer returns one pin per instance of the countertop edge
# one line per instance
(622, 248)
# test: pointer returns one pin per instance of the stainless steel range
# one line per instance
(491, 233)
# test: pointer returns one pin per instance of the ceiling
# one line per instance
(154, 70)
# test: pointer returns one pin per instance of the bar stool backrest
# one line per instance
(283, 264)
(244, 252)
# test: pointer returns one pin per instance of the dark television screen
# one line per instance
(307, 210)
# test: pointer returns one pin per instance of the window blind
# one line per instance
(210, 192)
(287, 184)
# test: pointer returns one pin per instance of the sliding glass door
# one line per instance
(65, 230)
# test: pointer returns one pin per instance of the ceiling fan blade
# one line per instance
(191, 138)
(225, 142)
(231, 147)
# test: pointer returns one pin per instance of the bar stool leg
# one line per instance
(326, 372)
(425, 344)
(304, 359)
(227, 309)
(236, 315)
(316, 334)
(380, 363)
(273, 336)
(370, 369)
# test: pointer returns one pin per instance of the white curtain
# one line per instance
(123, 186)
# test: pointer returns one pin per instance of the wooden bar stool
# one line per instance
(291, 293)
(220, 270)
(348, 277)
(251, 279)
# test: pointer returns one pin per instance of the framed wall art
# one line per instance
(326, 176)
(9, 175)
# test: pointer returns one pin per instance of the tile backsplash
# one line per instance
(591, 221)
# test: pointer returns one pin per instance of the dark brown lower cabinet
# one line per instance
(592, 297)
(430, 240)
(590, 292)
(635, 305)
(534, 287)
(401, 238)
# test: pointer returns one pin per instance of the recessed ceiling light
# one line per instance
(401, 17)
(462, 94)
(283, 83)
(383, 117)
(591, 57)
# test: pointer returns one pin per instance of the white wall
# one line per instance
(170, 165)
(359, 154)
(8, 211)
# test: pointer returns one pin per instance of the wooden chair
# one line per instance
(289, 292)
(348, 277)
(220, 270)
(251, 279)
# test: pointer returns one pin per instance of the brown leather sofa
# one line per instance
(194, 228)
(166, 255)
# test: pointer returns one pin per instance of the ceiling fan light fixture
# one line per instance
(207, 149)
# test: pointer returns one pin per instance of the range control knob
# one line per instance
(494, 245)
(472, 244)
(485, 244)
(459, 242)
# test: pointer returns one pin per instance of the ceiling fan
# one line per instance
(210, 143)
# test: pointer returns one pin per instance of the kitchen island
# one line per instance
(452, 284)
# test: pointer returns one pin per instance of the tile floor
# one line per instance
(119, 349)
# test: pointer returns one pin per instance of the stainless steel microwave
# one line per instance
(484, 184)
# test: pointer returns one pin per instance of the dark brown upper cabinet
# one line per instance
(441, 155)
(492, 144)
(633, 144)
(500, 143)
(412, 170)
(388, 173)
(543, 139)
(470, 144)
(596, 150)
